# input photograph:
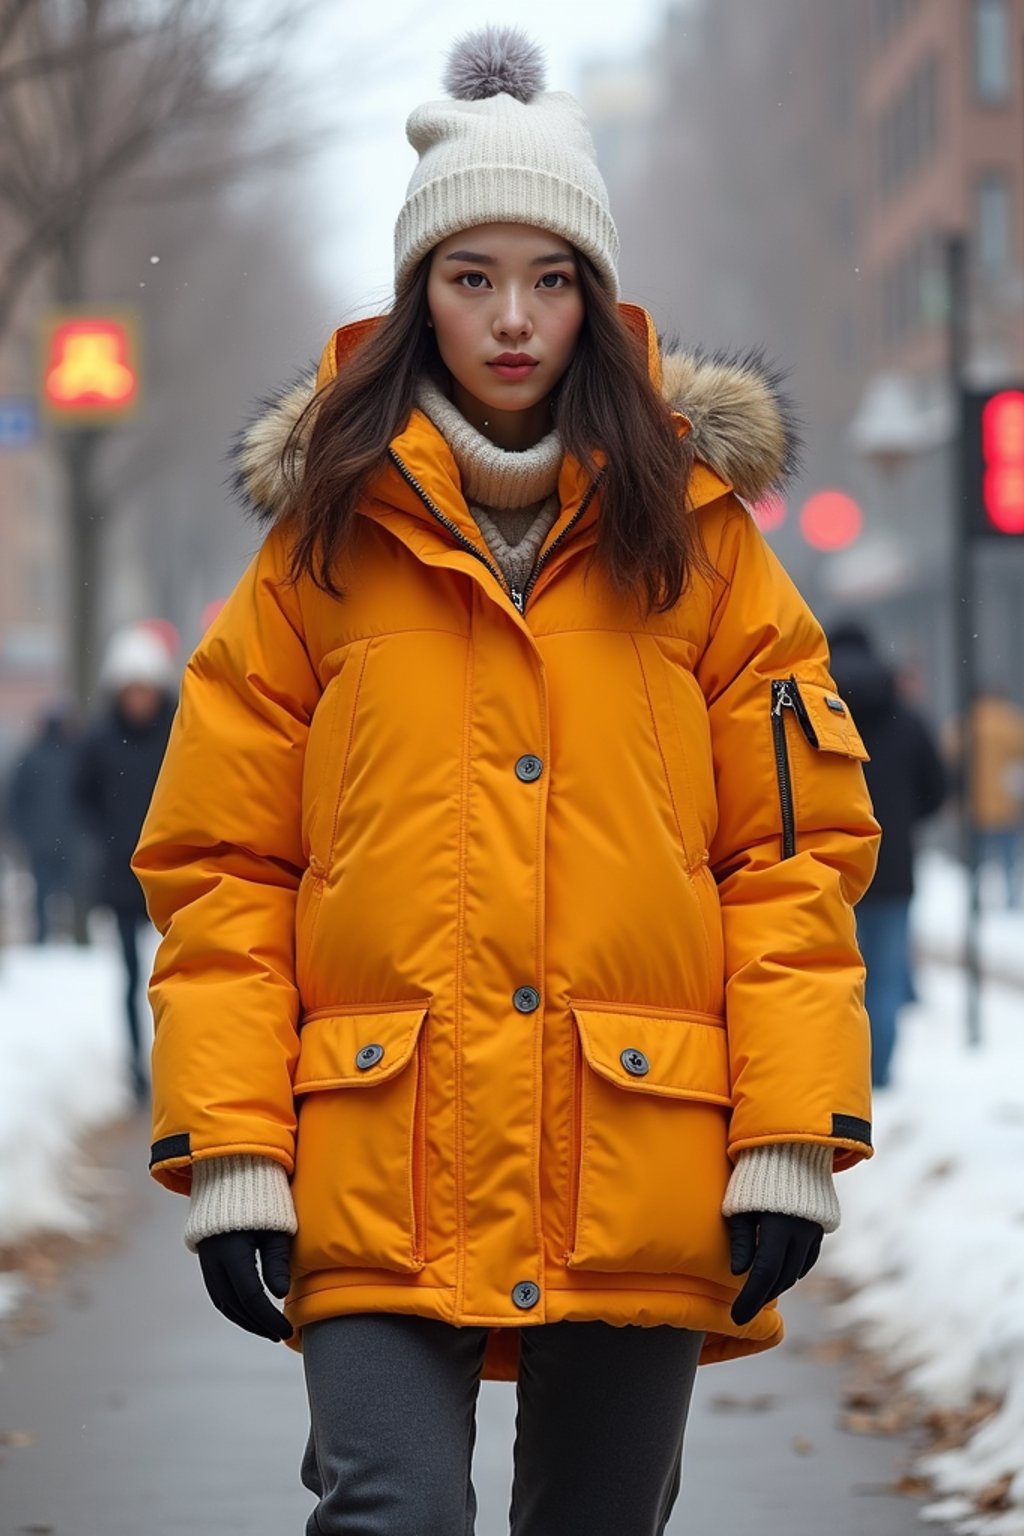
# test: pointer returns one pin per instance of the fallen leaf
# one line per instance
(16, 1437)
(995, 1496)
(912, 1485)
(725, 1402)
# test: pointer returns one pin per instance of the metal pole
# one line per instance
(966, 640)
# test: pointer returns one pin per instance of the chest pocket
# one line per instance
(327, 755)
(680, 719)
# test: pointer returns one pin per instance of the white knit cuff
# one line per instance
(238, 1193)
(793, 1178)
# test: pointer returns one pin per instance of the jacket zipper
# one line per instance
(786, 695)
(570, 525)
(518, 595)
(452, 527)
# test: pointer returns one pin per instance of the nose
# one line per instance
(512, 320)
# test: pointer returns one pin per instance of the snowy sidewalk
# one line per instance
(932, 1234)
(141, 1408)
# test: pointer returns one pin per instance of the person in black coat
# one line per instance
(40, 812)
(116, 772)
(908, 782)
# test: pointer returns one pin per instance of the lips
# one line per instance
(512, 370)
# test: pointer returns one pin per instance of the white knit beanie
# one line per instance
(503, 150)
(136, 655)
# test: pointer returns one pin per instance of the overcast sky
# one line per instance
(400, 48)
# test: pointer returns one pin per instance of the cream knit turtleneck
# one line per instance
(513, 495)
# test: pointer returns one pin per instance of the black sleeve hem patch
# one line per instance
(170, 1146)
(852, 1128)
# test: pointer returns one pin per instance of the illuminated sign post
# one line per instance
(90, 368)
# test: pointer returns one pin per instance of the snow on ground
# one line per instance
(933, 1225)
(62, 1073)
(940, 914)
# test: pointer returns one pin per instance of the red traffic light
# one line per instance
(1002, 448)
(831, 520)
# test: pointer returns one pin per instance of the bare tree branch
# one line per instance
(110, 98)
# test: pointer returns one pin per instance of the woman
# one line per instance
(505, 853)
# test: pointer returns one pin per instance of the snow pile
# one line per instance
(62, 1073)
(933, 1231)
(939, 917)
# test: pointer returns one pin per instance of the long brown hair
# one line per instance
(605, 399)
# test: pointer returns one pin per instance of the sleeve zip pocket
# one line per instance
(839, 735)
(786, 695)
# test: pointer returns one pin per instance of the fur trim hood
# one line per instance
(743, 425)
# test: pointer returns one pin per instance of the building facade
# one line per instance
(805, 163)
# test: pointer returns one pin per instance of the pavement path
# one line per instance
(149, 1413)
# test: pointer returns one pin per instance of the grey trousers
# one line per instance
(600, 1417)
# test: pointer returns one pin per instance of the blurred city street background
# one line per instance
(193, 194)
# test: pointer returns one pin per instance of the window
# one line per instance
(890, 16)
(993, 237)
(991, 24)
(909, 128)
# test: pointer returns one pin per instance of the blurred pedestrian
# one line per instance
(907, 781)
(117, 768)
(997, 797)
(41, 814)
(508, 957)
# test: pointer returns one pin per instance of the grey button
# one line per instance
(526, 1294)
(369, 1056)
(529, 768)
(526, 999)
(635, 1062)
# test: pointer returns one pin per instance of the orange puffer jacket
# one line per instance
(505, 922)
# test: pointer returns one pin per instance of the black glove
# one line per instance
(228, 1262)
(781, 1249)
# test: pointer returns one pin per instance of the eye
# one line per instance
(560, 275)
(463, 275)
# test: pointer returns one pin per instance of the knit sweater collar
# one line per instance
(492, 476)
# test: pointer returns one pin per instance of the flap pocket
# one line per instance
(356, 1049)
(826, 720)
(648, 1161)
(679, 1055)
(361, 1176)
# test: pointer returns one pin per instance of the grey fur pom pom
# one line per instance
(492, 61)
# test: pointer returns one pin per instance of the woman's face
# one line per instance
(505, 288)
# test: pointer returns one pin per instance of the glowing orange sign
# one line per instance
(90, 367)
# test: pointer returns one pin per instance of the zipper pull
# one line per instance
(787, 696)
(517, 598)
(783, 699)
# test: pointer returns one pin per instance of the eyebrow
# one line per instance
(492, 261)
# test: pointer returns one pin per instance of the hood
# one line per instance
(743, 427)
